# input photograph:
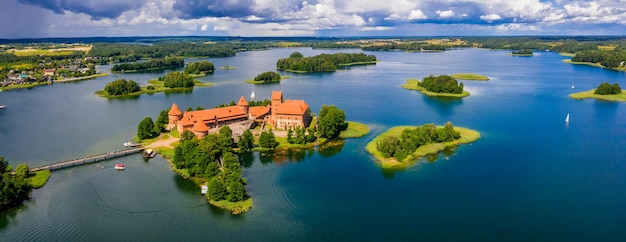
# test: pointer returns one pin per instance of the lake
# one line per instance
(530, 177)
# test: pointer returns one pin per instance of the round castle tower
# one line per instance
(174, 115)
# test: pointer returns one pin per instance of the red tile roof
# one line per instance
(259, 111)
(277, 95)
(174, 110)
(292, 107)
(222, 114)
(200, 126)
(242, 102)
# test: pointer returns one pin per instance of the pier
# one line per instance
(88, 159)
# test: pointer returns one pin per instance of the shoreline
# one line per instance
(590, 95)
(412, 85)
(158, 88)
(36, 84)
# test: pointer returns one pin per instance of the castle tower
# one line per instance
(277, 99)
(244, 105)
(174, 115)
(200, 129)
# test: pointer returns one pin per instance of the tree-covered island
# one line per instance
(198, 69)
(323, 62)
(401, 146)
(173, 81)
(16, 185)
(604, 91)
(437, 86)
(522, 52)
(267, 77)
(153, 64)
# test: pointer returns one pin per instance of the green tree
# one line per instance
(145, 129)
(216, 190)
(22, 170)
(331, 121)
(226, 131)
(387, 145)
(236, 192)
(187, 135)
(267, 140)
(121, 87)
(246, 141)
(607, 89)
(212, 169)
(3, 165)
(163, 119)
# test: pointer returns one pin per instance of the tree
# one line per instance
(236, 192)
(330, 121)
(267, 140)
(187, 135)
(441, 84)
(607, 89)
(216, 190)
(121, 87)
(3, 165)
(212, 169)
(163, 119)
(145, 129)
(246, 141)
(177, 79)
(226, 131)
(268, 76)
(387, 146)
(22, 170)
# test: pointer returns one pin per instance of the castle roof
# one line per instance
(210, 115)
(259, 111)
(175, 111)
(242, 102)
(292, 107)
(277, 95)
(200, 127)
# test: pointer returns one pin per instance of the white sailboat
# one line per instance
(572, 85)
(252, 96)
(567, 118)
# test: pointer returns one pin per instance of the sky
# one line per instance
(323, 18)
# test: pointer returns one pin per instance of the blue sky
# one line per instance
(85, 18)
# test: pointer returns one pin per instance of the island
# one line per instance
(173, 81)
(153, 64)
(203, 144)
(16, 185)
(198, 69)
(267, 77)
(322, 63)
(522, 52)
(604, 91)
(437, 86)
(400, 146)
(470, 77)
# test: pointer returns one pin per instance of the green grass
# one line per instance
(589, 94)
(233, 207)
(39, 178)
(470, 76)
(467, 136)
(158, 87)
(228, 67)
(411, 84)
(22, 86)
(354, 130)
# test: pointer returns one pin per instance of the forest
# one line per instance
(154, 64)
(201, 67)
(403, 146)
(121, 87)
(441, 84)
(176, 79)
(267, 77)
(323, 62)
(607, 58)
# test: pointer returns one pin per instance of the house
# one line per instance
(289, 114)
(49, 72)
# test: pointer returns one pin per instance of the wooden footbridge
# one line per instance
(88, 159)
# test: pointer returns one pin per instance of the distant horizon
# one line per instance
(25, 19)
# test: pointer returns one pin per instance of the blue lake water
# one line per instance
(530, 176)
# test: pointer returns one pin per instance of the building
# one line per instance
(281, 114)
(49, 72)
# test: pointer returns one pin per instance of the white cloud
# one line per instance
(445, 14)
(416, 15)
(490, 17)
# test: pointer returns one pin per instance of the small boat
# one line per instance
(130, 144)
(149, 153)
(2, 106)
(252, 96)
(204, 189)
(120, 166)
(572, 85)
(567, 118)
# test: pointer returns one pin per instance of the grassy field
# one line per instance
(50, 52)
(354, 130)
(467, 136)
(39, 178)
(158, 87)
(411, 84)
(233, 207)
(589, 94)
(470, 76)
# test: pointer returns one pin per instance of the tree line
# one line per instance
(441, 84)
(199, 67)
(322, 62)
(607, 89)
(176, 79)
(609, 59)
(121, 87)
(401, 147)
(167, 62)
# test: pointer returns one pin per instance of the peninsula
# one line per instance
(401, 146)
(604, 91)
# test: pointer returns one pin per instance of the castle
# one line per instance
(282, 114)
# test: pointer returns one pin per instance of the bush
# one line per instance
(121, 87)
(441, 84)
(607, 89)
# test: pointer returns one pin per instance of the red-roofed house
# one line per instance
(289, 113)
(49, 72)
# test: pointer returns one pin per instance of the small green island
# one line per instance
(16, 185)
(173, 81)
(470, 77)
(323, 63)
(522, 52)
(401, 146)
(604, 91)
(199, 69)
(267, 77)
(437, 86)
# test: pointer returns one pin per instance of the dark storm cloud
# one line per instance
(213, 8)
(97, 9)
